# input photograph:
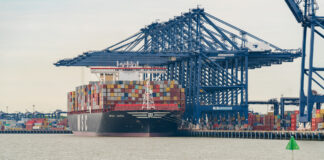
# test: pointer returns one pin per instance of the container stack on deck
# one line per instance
(97, 96)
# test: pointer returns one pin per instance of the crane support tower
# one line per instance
(206, 55)
(306, 15)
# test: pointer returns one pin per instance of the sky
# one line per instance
(34, 34)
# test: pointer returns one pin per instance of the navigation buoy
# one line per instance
(292, 145)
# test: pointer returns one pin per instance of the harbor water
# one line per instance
(71, 147)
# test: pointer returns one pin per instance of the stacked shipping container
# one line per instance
(269, 121)
(273, 122)
(264, 122)
(97, 96)
(318, 119)
(291, 120)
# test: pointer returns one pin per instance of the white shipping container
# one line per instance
(320, 125)
(37, 124)
(36, 127)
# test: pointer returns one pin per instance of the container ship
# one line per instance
(115, 107)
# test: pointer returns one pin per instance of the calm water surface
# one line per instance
(70, 147)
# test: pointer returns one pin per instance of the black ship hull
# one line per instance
(125, 123)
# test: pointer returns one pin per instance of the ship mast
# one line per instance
(148, 102)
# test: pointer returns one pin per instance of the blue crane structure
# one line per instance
(273, 102)
(308, 18)
(206, 55)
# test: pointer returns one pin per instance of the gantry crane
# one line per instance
(309, 20)
(206, 55)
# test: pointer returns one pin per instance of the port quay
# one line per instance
(271, 135)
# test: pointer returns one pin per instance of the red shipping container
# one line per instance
(314, 126)
(318, 120)
(313, 120)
